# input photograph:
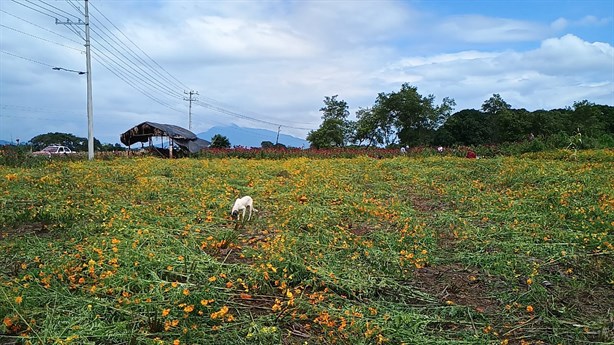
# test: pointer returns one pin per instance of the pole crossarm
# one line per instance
(190, 99)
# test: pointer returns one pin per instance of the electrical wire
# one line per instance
(27, 59)
(40, 27)
(245, 117)
(40, 38)
(137, 72)
(34, 9)
(129, 40)
(133, 85)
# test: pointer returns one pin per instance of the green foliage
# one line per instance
(219, 141)
(495, 105)
(71, 141)
(335, 130)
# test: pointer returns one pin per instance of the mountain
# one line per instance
(4, 142)
(251, 137)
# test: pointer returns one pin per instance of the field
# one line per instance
(414, 250)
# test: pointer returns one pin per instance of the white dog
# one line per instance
(240, 205)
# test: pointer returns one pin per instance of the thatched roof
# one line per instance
(181, 136)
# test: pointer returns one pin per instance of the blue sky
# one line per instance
(268, 63)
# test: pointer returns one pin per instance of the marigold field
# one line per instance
(399, 250)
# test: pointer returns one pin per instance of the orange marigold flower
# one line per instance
(529, 308)
(220, 314)
(18, 299)
(189, 309)
(186, 292)
(176, 342)
(245, 296)
(165, 312)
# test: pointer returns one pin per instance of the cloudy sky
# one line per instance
(266, 64)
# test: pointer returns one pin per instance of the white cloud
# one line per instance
(559, 72)
(559, 24)
(482, 29)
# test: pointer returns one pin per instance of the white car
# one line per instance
(53, 150)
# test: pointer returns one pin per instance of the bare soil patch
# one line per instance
(454, 284)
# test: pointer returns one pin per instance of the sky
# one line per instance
(270, 64)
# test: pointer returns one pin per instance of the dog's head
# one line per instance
(234, 214)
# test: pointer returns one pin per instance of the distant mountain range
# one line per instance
(4, 142)
(251, 137)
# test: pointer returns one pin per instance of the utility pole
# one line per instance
(277, 139)
(191, 93)
(88, 62)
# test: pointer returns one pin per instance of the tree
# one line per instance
(586, 117)
(267, 145)
(495, 104)
(69, 140)
(219, 141)
(330, 134)
(412, 116)
(335, 131)
(367, 128)
(466, 127)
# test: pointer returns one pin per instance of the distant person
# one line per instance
(440, 149)
(471, 154)
(403, 150)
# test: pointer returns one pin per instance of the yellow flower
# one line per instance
(529, 309)
(165, 312)
(18, 299)
(189, 309)
(11, 177)
(186, 292)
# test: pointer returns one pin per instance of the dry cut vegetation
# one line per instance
(434, 250)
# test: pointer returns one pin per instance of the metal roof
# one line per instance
(181, 136)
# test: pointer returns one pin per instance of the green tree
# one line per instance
(495, 104)
(219, 141)
(368, 128)
(335, 130)
(330, 134)
(586, 117)
(409, 116)
(267, 145)
(69, 140)
(466, 127)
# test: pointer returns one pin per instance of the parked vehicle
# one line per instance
(53, 150)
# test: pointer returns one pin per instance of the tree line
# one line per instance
(406, 118)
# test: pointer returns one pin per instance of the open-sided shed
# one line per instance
(144, 132)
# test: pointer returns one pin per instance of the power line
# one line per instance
(38, 26)
(138, 72)
(70, 14)
(27, 59)
(136, 55)
(134, 85)
(40, 38)
(34, 9)
(235, 114)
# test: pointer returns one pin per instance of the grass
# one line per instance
(437, 250)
